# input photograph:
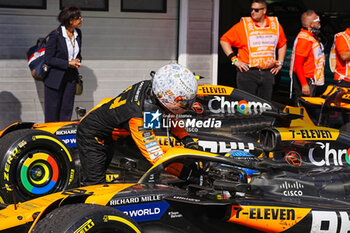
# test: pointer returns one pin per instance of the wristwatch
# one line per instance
(280, 63)
(234, 60)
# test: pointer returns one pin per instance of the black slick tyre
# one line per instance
(86, 218)
(33, 163)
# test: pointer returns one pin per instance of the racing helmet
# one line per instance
(175, 87)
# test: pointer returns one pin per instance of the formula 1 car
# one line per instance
(332, 108)
(296, 193)
(38, 159)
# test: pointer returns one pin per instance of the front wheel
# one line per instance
(86, 218)
(33, 163)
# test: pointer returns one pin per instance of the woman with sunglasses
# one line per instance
(257, 37)
(63, 57)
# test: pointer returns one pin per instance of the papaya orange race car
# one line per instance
(38, 159)
(211, 195)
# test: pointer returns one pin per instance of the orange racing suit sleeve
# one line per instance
(178, 130)
(147, 143)
(145, 140)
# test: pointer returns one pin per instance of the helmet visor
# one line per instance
(184, 104)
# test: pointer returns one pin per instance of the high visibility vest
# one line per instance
(339, 75)
(262, 42)
(319, 57)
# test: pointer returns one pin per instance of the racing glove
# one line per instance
(189, 143)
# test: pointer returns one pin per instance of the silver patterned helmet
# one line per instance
(175, 86)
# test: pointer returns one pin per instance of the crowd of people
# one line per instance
(259, 38)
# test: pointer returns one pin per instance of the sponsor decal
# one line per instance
(212, 146)
(308, 134)
(220, 105)
(146, 134)
(146, 211)
(267, 218)
(346, 96)
(151, 144)
(198, 107)
(293, 158)
(137, 94)
(186, 199)
(337, 156)
(153, 149)
(85, 227)
(163, 141)
(69, 140)
(156, 154)
(8, 163)
(174, 214)
(66, 132)
(327, 221)
(292, 189)
(151, 120)
(136, 200)
(151, 138)
(223, 147)
(214, 90)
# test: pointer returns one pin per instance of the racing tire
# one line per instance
(86, 218)
(33, 163)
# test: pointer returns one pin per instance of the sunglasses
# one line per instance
(316, 20)
(256, 9)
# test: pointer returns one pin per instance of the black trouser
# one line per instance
(93, 154)
(257, 82)
(298, 89)
(59, 103)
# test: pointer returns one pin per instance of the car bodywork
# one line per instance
(215, 197)
(332, 107)
(222, 119)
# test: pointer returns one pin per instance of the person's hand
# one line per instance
(241, 66)
(305, 90)
(276, 67)
(75, 63)
(189, 143)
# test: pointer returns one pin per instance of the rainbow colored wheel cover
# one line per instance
(40, 160)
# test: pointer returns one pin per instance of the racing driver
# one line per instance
(172, 91)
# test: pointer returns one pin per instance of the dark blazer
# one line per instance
(56, 57)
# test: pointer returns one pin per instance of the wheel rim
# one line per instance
(38, 173)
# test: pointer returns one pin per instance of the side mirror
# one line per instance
(80, 112)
